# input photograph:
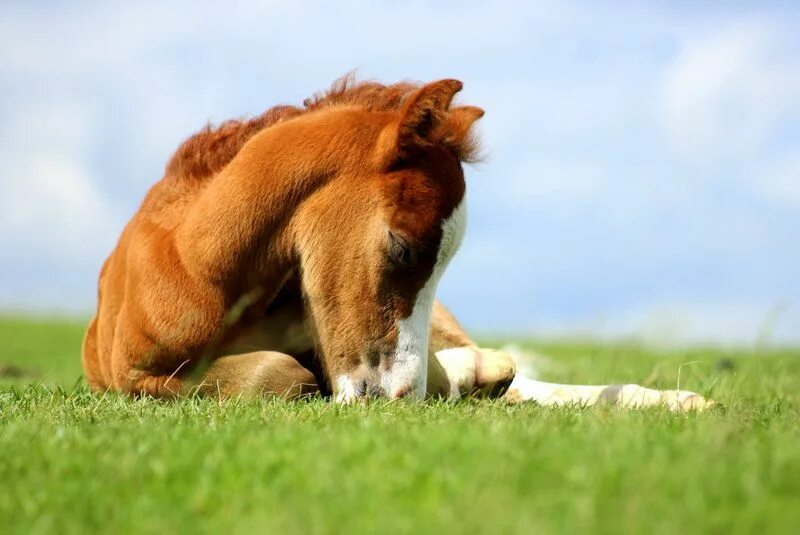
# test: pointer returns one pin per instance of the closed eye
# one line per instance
(400, 253)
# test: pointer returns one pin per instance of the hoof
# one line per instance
(494, 371)
(683, 400)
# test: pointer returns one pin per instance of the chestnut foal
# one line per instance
(299, 252)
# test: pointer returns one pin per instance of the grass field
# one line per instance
(75, 462)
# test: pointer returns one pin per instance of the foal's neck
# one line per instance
(239, 226)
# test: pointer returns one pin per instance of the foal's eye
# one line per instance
(400, 254)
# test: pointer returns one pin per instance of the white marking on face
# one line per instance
(410, 366)
(345, 390)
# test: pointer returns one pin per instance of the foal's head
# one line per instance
(376, 239)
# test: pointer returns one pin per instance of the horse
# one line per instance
(298, 253)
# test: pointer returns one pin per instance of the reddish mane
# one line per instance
(207, 152)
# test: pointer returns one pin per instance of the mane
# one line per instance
(208, 151)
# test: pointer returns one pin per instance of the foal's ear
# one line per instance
(420, 115)
(455, 133)
(425, 109)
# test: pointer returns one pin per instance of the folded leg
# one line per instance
(458, 367)
(255, 374)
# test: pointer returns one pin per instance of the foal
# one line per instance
(299, 252)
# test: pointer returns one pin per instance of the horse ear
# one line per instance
(419, 117)
(423, 111)
(454, 132)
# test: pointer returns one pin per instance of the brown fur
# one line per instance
(296, 202)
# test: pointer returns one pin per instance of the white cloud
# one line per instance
(49, 203)
(728, 89)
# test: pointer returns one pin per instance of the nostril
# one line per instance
(373, 390)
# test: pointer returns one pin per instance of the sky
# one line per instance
(642, 176)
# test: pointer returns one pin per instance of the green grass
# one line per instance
(76, 462)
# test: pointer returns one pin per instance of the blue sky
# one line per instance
(643, 171)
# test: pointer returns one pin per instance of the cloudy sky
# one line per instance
(643, 171)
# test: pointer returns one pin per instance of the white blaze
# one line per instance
(410, 364)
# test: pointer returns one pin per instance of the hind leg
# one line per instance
(259, 373)
(627, 396)
(256, 374)
(458, 367)
(89, 359)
